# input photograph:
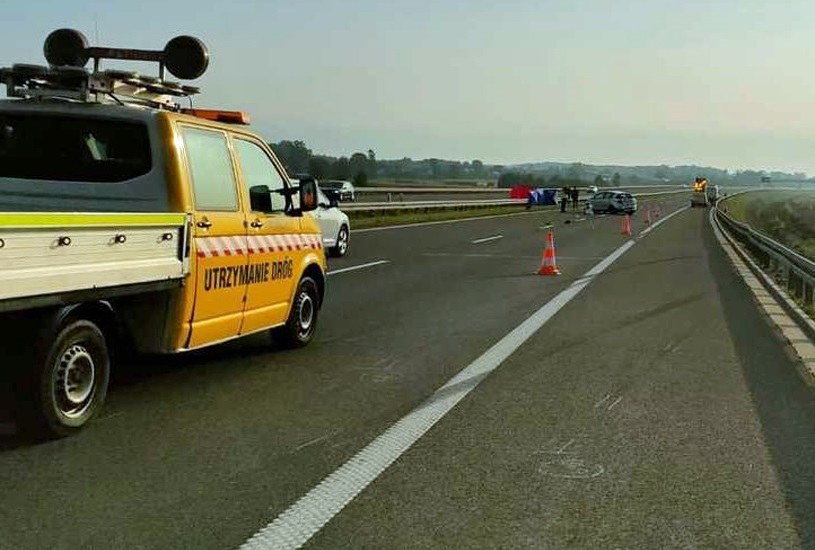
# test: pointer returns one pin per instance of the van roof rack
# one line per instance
(66, 77)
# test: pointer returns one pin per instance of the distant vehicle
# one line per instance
(592, 189)
(613, 202)
(699, 198)
(713, 193)
(334, 224)
(345, 189)
(700, 184)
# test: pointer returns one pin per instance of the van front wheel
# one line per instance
(302, 322)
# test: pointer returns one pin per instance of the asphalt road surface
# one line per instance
(656, 408)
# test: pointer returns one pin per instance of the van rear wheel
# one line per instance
(66, 382)
(302, 322)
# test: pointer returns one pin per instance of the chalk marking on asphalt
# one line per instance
(603, 400)
(298, 523)
(312, 442)
(615, 403)
(487, 239)
(566, 446)
(355, 267)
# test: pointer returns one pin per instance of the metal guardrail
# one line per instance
(787, 267)
(454, 190)
(408, 205)
(421, 205)
(434, 190)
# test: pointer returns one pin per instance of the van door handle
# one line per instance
(257, 224)
(204, 224)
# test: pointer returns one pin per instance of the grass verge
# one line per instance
(786, 216)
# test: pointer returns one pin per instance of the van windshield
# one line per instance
(66, 148)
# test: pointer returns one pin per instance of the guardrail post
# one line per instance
(390, 198)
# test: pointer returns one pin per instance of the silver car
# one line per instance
(334, 224)
(345, 189)
(613, 202)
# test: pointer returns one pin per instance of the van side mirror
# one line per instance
(308, 194)
(260, 198)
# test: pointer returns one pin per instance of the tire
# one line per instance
(66, 382)
(611, 209)
(341, 248)
(302, 323)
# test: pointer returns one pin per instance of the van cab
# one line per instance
(127, 221)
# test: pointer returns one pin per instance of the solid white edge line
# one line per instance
(487, 239)
(355, 267)
(656, 224)
(303, 519)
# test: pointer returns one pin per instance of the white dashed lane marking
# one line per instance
(355, 267)
(488, 239)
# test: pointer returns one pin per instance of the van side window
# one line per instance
(257, 169)
(213, 180)
(71, 148)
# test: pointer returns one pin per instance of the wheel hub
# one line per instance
(305, 314)
(75, 376)
(342, 241)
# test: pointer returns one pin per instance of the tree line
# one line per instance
(361, 167)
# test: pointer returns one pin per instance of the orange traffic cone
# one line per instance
(626, 229)
(548, 263)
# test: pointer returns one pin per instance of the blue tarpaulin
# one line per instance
(544, 196)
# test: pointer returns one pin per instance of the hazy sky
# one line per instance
(727, 84)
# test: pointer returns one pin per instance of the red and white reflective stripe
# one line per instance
(213, 247)
(310, 241)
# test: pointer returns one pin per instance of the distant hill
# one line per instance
(644, 175)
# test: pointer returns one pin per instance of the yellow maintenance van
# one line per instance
(700, 194)
(128, 222)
